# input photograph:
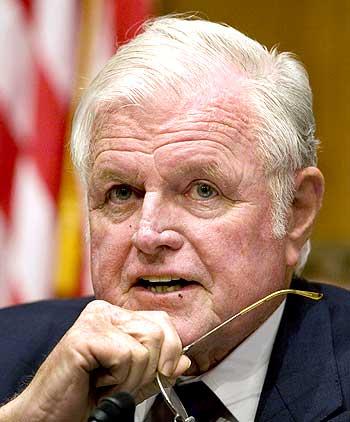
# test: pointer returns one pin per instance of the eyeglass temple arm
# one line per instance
(309, 295)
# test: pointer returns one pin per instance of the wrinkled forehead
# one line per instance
(222, 105)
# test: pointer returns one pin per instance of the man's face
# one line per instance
(181, 195)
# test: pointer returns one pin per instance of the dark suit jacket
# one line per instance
(309, 372)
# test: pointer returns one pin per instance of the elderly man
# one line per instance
(196, 147)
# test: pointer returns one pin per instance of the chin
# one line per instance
(187, 330)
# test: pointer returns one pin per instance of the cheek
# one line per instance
(243, 258)
(110, 244)
(231, 242)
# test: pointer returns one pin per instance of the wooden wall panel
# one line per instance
(319, 33)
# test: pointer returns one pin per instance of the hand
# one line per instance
(108, 349)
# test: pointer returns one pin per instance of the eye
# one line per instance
(120, 193)
(202, 191)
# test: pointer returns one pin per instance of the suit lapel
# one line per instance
(302, 382)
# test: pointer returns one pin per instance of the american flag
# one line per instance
(49, 50)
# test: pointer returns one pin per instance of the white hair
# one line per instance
(177, 57)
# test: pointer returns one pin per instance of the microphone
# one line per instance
(120, 405)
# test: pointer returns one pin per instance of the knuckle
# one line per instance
(95, 314)
(141, 354)
(95, 306)
(124, 357)
(157, 334)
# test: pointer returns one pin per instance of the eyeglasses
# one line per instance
(169, 394)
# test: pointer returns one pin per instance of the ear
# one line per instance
(309, 189)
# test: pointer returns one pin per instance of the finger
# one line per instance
(121, 358)
(151, 336)
(136, 376)
(106, 379)
(183, 364)
(113, 352)
(171, 347)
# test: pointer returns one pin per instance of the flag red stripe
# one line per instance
(47, 147)
(8, 154)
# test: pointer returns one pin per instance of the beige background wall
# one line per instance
(318, 31)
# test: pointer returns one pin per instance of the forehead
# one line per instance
(222, 118)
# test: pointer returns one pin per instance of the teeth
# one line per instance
(164, 289)
(162, 279)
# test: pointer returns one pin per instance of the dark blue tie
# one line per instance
(199, 400)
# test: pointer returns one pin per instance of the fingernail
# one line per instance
(167, 368)
(188, 361)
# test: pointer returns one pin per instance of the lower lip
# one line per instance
(178, 293)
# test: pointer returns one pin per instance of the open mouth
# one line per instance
(164, 284)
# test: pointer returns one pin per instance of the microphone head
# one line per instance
(119, 405)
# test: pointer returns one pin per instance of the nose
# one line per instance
(153, 235)
(151, 242)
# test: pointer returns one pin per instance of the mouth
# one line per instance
(164, 284)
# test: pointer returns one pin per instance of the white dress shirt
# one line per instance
(239, 378)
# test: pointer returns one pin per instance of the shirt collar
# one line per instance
(238, 379)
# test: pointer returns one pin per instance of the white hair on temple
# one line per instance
(178, 57)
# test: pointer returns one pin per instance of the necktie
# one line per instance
(199, 400)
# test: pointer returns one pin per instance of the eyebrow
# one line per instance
(107, 174)
(204, 168)
(210, 170)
